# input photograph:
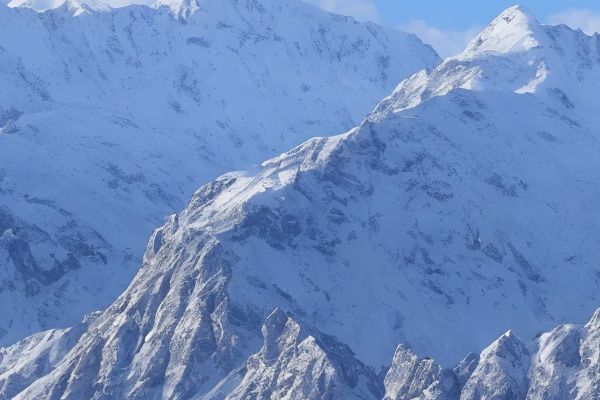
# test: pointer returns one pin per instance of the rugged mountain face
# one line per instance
(24, 362)
(410, 377)
(501, 371)
(110, 119)
(295, 362)
(563, 366)
(463, 207)
(567, 363)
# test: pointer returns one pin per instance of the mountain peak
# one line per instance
(594, 323)
(77, 7)
(506, 343)
(181, 9)
(516, 29)
(517, 11)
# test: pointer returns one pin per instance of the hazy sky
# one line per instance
(449, 24)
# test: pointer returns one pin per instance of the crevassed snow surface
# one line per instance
(109, 119)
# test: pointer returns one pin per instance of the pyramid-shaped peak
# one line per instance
(516, 29)
(507, 345)
(517, 11)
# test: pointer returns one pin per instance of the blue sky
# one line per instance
(449, 24)
(462, 14)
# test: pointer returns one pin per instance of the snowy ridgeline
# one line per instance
(110, 119)
(296, 362)
(463, 207)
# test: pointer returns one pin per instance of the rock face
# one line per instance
(295, 364)
(410, 377)
(563, 366)
(24, 362)
(462, 207)
(110, 119)
(501, 372)
(566, 364)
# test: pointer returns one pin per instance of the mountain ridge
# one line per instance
(99, 109)
(452, 202)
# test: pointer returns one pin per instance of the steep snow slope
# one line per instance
(110, 119)
(462, 208)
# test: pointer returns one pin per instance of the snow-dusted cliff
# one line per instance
(110, 119)
(461, 212)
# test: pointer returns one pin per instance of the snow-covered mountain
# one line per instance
(462, 212)
(110, 119)
(294, 362)
(563, 364)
